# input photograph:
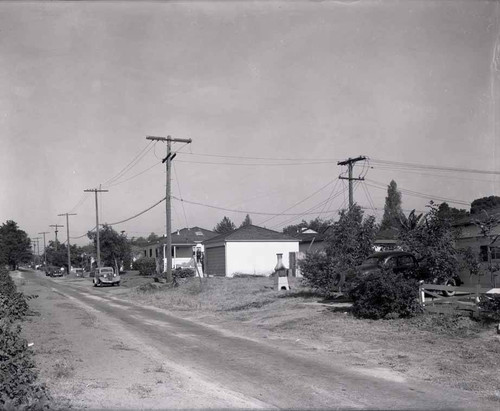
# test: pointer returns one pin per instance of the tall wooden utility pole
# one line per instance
(67, 232)
(44, 248)
(97, 190)
(56, 226)
(168, 211)
(36, 247)
(350, 164)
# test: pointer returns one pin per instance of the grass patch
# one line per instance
(63, 369)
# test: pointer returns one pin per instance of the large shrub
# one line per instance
(19, 388)
(349, 242)
(145, 266)
(431, 238)
(385, 294)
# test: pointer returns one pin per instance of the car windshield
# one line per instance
(106, 270)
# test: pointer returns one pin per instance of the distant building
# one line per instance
(187, 247)
(248, 250)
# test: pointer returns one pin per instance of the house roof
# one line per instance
(251, 233)
(188, 236)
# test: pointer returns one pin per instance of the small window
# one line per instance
(495, 253)
(151, 252)
(145, 253)
(199, 233)
(156, 251)
(483, 252)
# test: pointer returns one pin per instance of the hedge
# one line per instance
(19, 386)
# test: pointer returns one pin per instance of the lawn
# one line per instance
(452, 350)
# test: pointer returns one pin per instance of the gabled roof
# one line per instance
(188, 236)
(251, 233)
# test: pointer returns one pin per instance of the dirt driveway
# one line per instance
(96, 350)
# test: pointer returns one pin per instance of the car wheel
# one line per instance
(451, 282)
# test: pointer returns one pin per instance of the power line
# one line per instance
(131, 164)
(260, 158)
(179, 188)
(430, 167)
(138, 214)
(255, 164)
(300, 202)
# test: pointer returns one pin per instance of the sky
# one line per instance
(272, 94)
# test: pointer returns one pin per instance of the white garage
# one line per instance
(248, 250)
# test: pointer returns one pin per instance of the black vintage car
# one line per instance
(399, 261)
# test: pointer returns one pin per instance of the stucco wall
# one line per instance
(257, 258)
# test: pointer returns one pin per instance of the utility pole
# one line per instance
(350, 164)
(44, 248)
(96, 190)
(34, 241)
(56, 226)
(67, 232)
(168, 210)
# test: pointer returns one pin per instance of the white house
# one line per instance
(247, 250)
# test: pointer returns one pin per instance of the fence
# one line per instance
(445, 299)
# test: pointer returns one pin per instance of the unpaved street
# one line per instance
(96, 350)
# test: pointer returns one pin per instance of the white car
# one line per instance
(106, 275)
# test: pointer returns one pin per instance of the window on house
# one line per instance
(156, 251)
(495, 253)
(151, 252)
(199, 233)
(145, 253)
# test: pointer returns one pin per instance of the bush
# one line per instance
(145, 266)
(19, 388)
(323, 273)
(180, 273)
(385, 294)
(490, 307)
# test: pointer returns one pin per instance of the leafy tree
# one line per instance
(59, 257)
(349, 242)
(152, 238)
(225, 226)
(115, 248)
(484, 203)
(451, 213)
(319, 225)
(392, 208)
(15, 245)
(431, 238)
(139, 241)
(246, 221)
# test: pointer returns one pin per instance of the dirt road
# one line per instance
(99, 351)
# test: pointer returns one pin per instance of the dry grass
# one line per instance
(63, 369)
(447, 349)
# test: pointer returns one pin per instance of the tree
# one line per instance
(152, 238)
(225, 226)
(246, 221)
(349, 242)
(431, 238)
(59, 257)
(484, 203)
(115, 248)
(451, 213)
(319, 225)
(392, 208)
(15, 245)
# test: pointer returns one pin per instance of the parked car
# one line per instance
(106, 275)
(53, 271)
(400, 261)
(78, 272)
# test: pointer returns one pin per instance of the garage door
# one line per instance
(215, 260)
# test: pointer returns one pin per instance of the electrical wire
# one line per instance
(255, 164)
(260, 158)
(300, 202)
(131, 164)
(179, 188)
